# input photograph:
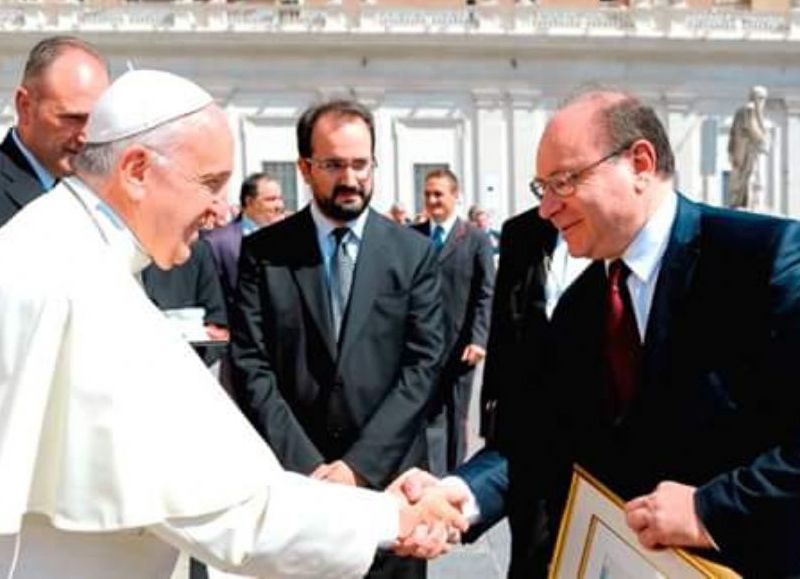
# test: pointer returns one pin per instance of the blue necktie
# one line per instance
(438, 238)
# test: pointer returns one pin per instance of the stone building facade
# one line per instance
(467, 86)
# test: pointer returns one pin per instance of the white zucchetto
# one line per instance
(140, 100)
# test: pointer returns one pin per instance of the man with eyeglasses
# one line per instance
(337, 333)
(650, 339)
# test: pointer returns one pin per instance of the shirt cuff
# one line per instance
(470, 508)
(387, 520)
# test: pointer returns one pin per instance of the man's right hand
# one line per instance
(431, 521)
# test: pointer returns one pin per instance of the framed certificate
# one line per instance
(595, 542)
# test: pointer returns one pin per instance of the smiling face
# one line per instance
(54, 107)
(342, 193)
(607, 210)
(441, 196)
(183, 187)
(267, 205)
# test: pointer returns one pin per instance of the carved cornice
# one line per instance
(639, 21)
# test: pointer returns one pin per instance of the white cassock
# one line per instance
(117, 446)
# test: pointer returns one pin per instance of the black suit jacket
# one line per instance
(18, 182)
(364, 401)
(467, 266)
(191, 284)
(226, 244)
(719, 406)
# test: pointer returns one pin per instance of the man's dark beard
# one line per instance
(339, 212)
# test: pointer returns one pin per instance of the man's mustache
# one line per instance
(344, 190)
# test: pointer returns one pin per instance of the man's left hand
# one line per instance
(666, 518)
(338, 472)
(473, 354)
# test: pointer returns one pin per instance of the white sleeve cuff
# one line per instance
(470, 510)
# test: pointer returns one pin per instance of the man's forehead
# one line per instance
(333, 121)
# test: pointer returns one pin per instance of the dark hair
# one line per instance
(443, 173)
(249, 189)
(46, 51)
(339, 108)
(629, 120)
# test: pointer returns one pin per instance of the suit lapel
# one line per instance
(536, 276)
(17, 177)
(674, 280)
(309, 275)
(365, 281)
(456, 236)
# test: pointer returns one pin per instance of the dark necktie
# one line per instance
(438, 238)
(341, 278)
(623, 347)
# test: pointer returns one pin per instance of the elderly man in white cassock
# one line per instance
(100, 461)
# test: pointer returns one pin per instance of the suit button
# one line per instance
(336, 433)
(338, 385)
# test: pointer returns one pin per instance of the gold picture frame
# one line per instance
(595, 542)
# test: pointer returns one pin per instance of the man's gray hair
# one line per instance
(98, 159)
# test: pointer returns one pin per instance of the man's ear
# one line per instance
(22, 103)
(305, 170)
(134, 166)
(644, 160)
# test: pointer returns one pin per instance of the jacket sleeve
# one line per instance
(756, 507)
(255, 383)
(209, 290)
(385, 438)
(483, 289)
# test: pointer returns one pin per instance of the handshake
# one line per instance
(431, 514)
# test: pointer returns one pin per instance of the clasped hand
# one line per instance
(431, 518)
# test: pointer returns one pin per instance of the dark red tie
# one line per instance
(623, 347)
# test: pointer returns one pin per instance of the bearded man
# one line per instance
(337, 331)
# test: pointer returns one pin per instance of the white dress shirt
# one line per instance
(642, 256)
(326, 241)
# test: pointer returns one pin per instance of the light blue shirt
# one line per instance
(446, 225)
(643, 256)
(248, 226)
(42, 174)
(326, 241)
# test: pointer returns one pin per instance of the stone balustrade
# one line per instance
(624, 22)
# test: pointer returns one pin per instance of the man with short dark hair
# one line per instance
(337, 328)
(62, 79)
(467, 267)
(261, 202)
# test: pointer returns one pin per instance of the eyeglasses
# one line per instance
(334, 166)
(565, 183)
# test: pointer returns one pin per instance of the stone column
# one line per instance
(791, 166)
(683, 135)
(491, 183)
(526, 123)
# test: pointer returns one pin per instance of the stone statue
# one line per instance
(748, 145)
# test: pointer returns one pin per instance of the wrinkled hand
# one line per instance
(337, 472)
(473, 354)
(429, 526)
(666, 518)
